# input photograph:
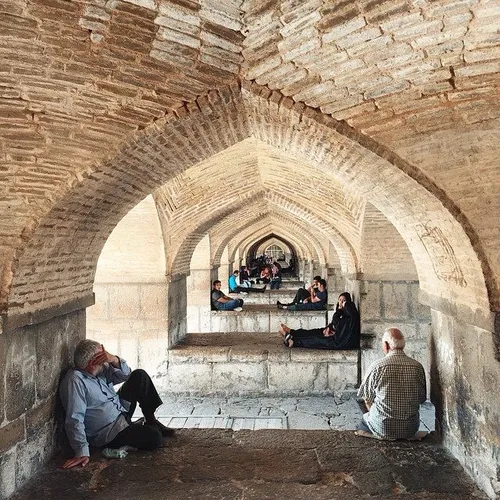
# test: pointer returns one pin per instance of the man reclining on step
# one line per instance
(317, 300)
(303, 295)
(343, 332)
(97, 415)
(235, 288)
(221, 302)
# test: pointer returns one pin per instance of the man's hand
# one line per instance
(104, 356)
(73, 462)
(327, 332)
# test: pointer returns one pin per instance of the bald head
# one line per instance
(394, 338)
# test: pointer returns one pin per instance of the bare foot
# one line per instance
(283, 329)
(290, 343)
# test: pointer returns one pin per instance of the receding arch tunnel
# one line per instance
(366, 138)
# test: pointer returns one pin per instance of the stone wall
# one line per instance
(130, 320)
(465, 382)
(34, 358)
(387, 304)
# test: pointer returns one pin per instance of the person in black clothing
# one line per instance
(343, 332)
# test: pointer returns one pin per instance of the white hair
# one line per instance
(394, 338)
(84, 352)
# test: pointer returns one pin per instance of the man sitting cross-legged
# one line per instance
(393, 390)
(97, 415)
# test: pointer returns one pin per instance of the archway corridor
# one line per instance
(148, 147)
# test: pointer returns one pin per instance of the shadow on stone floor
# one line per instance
(258, 465)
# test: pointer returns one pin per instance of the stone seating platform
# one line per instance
(264, 318)
(269, 297)
(255, 363)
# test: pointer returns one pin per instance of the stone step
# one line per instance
(291, 284)
(264, 318)
(249, 363)
(269, 297)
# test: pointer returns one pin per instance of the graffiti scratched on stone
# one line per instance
(443, 258)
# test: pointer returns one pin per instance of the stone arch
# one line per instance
(77, 226)
(308, 249)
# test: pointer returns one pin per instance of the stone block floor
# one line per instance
(342, 412)
(267, 464)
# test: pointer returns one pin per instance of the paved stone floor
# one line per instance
(341, 412)
(266, 464)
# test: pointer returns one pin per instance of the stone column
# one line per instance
(177, 307)
(302, 269)
(199, 285)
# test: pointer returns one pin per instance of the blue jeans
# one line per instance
(229, 306)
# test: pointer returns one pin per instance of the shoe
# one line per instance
(238, 309)
(164, 430)
(243, 293)
(279, 305)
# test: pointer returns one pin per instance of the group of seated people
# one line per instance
(343, 331)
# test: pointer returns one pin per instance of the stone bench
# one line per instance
(263, 318)
(252, 363)
(269, 297)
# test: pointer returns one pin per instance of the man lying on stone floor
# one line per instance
(393, 390)
(221, 302)
(97, 415)
(343, 331)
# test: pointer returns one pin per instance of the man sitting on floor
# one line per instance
(221, 301)
(393, 390)
(97, 415)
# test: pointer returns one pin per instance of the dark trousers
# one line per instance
(314, 339)
(139, 389)
(301, 295)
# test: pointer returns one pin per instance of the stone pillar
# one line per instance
(199, 285)
(302, 269)
(34, 357)
(224, 270)
(176, 310)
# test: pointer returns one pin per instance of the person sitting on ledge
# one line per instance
(393, 390)
(222, 302)
(303, 294)
(235, 288)
(97, 415)
(316, 302)
(343, 332)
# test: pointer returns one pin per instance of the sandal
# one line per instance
(288, 337)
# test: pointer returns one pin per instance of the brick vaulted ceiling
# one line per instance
(103, 101)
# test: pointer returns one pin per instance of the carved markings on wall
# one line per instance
(443, 258)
